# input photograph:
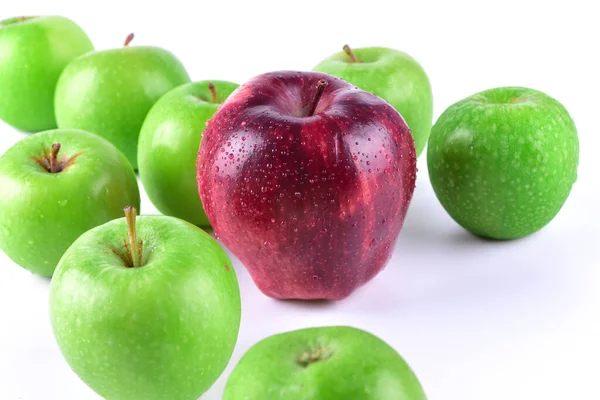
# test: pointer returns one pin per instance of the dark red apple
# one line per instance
(307, 179)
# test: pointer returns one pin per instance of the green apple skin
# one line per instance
(33, 53)
(42, 213)
(110, 92)
(345, 363)
(168, 147)
(394, 76)
(162, 331)
(502, 162)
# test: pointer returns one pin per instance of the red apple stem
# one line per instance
(128, 39)
(54, 167)
(213, 93)
(134, 247)
(348, 50)
(320, 88)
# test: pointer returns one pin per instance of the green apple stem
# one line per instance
(320, 88)
(348, 50)
(134, 247)
(128, 39)
(54, 167)
(213, 93)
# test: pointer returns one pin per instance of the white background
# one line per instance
(477, 320)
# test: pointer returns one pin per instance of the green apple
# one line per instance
(33, 53)
(392, 75)
(146, 312)
(326, 363)
(502, 162)
(110, 92)
(54, 186)
(168, 147)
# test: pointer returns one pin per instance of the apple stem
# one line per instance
(54, 167)
(348, 50)
(320, 88)
(134, 248)
(128, 39)
(213, 92)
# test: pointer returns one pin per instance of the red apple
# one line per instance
(307, 179)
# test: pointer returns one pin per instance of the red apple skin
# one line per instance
(311, 205)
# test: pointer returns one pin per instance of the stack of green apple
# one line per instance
(149, 307)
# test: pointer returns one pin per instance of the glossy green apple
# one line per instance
(502, 162)
(33, 53)
(326, 363)
(168, 147)
(54, 186)
(392, 75)
(151, 312)
(110, 92)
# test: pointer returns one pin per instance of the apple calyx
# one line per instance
(16, 20)
(133, 248)
(128, 39)
(517, 100)
(213, 93)
(348, 50)
(50, 162)
(319, 354)
(320, 88)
